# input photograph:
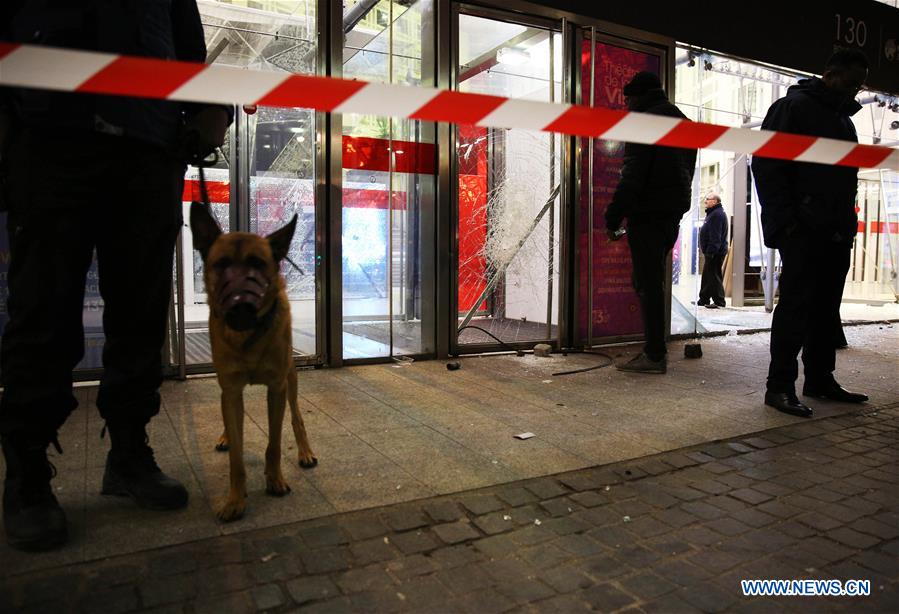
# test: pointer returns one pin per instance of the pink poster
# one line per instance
(615, 308)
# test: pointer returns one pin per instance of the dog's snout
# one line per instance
(241, 316)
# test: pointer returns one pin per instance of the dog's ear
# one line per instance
(204, 227)
(281, 238)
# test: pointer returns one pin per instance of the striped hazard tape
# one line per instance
(102, 73)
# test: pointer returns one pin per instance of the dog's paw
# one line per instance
(276, 487)
(222, 445)
(308, 461)
(232, 510)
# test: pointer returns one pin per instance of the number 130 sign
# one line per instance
(851, 31)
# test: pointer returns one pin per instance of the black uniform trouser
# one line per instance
(651, 242)
(712, 284)
(813, 272)
(67, 197)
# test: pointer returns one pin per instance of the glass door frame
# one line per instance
(556, 25)
(635, 40)
(173, 352)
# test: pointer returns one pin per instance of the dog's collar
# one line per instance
(262, 325)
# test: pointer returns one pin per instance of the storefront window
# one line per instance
(389, 168)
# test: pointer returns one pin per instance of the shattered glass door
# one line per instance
(508, 189)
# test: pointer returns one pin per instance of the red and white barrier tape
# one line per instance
(102, 73)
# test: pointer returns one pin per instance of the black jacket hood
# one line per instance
(816, 88)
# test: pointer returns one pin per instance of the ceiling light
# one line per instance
(512, 56)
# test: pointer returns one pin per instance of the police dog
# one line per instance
(250, 333)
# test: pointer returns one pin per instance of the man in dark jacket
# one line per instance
(808, 213)
(86, 173)
(653, 194)
(713, 245)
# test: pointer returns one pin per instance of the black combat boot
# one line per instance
(131, 471)
(32, 517)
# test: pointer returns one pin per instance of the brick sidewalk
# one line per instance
(668, 533)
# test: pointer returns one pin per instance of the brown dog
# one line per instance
(250, 333)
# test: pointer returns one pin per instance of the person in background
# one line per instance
(653, 194)
(86, 173)
(713, 244)
(808, 213)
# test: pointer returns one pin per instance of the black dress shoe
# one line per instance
(834, 392)
(788, 403)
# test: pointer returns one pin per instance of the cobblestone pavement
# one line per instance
(675, 532)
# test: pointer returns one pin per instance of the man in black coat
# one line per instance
(653, 194)
(85, 173)
(808, 213)
(713, 245)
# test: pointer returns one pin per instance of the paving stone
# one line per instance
(515, 495)
(311, 588)
(565, 526)
(544, 556)
(827, 550)
(727, 526)
(751, 496)
(753, 517)
(453, 556)
(886, 565)
(657, 498)
(496, 546)
(323, 560)
(647, 526)
(607, 598)
(223, 579)
(703, 510)
(654, 466)
(173, 589)
(526, 591)
(371, 578)
(710, 598)
(589, 499)
(715, 560)
(681, 572)
(582, 481)
(378, 600)
(647, 585)
(509, 570)
(700, 457)
(372, 551)
(405, 519)
(675, 517)
(324, 534)
(363, 527)
(561, 506)
(267, 597)
(236, 603)
(497, 522)
(486, 601)
(875, 527)
(444, 511)
(546, 488)
(579, 545)
(678, 460)
(853, 539)
(114, 601)
(779, 509)
(412, 542)
(464, 579)
(414, 565)
(481, 504)
(531, 535)
(455, 532)
(423, 593)
(698, 536)
(566, 578)
(712, 487)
